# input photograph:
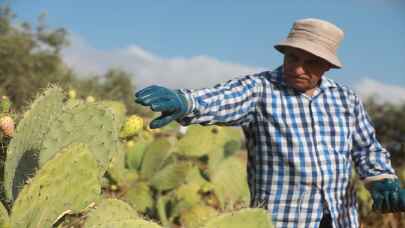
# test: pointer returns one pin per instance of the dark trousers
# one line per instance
(326, 221)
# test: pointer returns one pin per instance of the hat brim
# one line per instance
(312, 48)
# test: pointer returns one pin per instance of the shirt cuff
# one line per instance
(368, 180)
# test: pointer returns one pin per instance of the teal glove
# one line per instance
(387, 196)
(171, 103)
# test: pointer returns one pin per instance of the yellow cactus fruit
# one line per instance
(72, 94)
(130, 143)
(132, 125)
(90, 99)
(7, 126)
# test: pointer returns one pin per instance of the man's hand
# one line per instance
(387, 196)
(171, 103)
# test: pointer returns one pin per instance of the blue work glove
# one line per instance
(387, 196)
(171, 103)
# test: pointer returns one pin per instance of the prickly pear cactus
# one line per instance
(198, 141)
(130, 223)
(109, 210)
(171, 176)
(154, 156)
(134, 155)
(139, 197)
(50, 192)
(4, 218)
(24, 147)
(197, 216)
(257, 218)
(117, 108)
(84, 123)
(229, 180)
(117, 170)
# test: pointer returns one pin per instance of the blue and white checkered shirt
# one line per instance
(300, 148)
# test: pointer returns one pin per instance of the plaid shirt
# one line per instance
(300, 148)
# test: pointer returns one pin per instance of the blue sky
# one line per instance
(232, 37)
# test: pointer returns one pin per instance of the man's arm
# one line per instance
(232, 103)
(372, 160)
(373, 164)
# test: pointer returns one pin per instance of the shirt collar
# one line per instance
(276, 76)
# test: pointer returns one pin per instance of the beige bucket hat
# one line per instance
(318, 37)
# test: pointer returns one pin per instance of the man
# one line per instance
(302, 131)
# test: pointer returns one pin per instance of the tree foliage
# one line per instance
(30, 59)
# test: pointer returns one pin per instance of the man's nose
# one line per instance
(299, 69)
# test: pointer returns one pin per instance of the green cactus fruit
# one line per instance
(84, 123)
(230, 184)
(130, 223)
(132, 125)
(4, 218)
(117, 108)
(5, 104)
(171, 176)
(134, 155)
(139, 196)
(254, 217)
(22, 151)
(154, 157)
(109, 210)
(197, 216)
(50, 192)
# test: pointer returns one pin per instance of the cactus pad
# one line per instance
(50, 192)
(84, 123)
(27, 140)
(130, 223)
(171, 176)
(109, 210)
(4, 218)
(154, 157)
(257, 218)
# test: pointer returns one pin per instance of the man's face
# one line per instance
(302, 70)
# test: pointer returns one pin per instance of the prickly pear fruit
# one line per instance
(7, 126)
(5, 104)
(132, 125)
(90, 99)
(72, 94)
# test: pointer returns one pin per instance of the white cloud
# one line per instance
(382, 92)
(195, 72)
(148, 68)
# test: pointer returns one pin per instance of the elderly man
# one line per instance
(303, 131)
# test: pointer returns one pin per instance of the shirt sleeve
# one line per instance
(371, 159)
(231, 103)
